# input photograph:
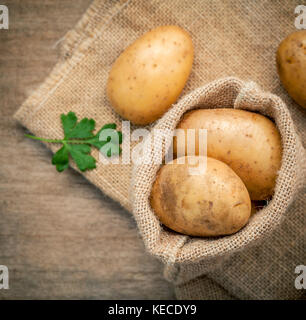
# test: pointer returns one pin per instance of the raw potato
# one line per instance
(291, 65)
(150, 74)
(248, 142)
(212, 203)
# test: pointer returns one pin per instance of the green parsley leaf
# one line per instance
(61, 159)
(68, 121)
(78, 140)
(80, 155)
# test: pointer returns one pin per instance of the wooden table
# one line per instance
(60, 236)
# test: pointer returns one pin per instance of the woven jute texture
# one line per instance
(231, 38)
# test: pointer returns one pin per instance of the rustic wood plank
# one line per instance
(59, 236)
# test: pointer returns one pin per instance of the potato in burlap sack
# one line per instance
(203, 254)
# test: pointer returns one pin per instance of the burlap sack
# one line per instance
(174, 248)
(232, 38)
(202, 255)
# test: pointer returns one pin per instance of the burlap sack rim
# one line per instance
(74, 47)
(175, 254)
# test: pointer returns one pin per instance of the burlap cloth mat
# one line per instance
(232, 38)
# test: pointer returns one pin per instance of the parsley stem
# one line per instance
(57, 140)
(43, 139)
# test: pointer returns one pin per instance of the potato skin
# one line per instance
(212, 203)
(150, 74)
(291, 65)
(246, 141)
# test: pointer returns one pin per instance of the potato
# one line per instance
(213, 203)
(248, 142)
(150, 74)
(291, 65)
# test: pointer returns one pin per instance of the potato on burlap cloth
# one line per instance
(233, 38)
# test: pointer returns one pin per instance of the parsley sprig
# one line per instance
(77, 142)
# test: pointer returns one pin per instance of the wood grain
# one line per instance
(59, 236)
